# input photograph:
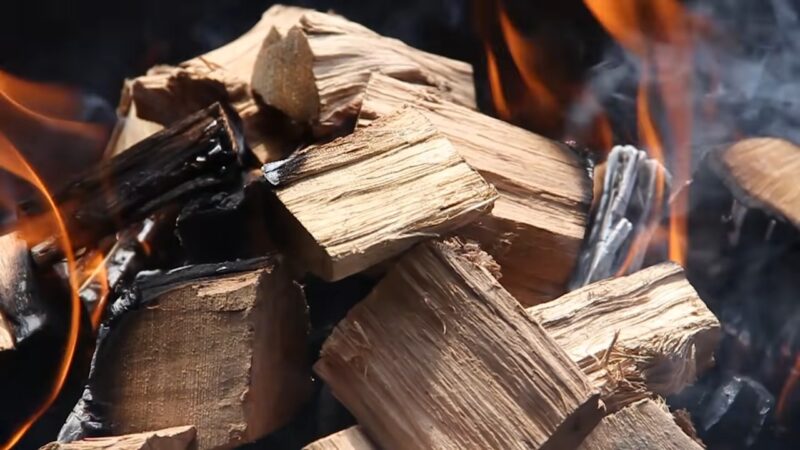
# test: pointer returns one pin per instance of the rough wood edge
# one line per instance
(174, 438)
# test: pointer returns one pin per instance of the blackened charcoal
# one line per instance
(21, 302)
(735, 413)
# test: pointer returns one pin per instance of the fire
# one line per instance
(95, 276)
(27, 110)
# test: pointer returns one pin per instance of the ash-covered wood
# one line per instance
(225, 352)
(204, 151)
(166, 94)
(175, 438)
(626, 216)
(645, 333)
(352, 438)
(536, 228)
(440, 356)
(22, 309)
(642, 425)
(344, 206)
(317, 73)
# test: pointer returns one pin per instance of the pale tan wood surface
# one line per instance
(352, 438)
(175, 438)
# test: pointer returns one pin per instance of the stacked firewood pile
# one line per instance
(312, 145)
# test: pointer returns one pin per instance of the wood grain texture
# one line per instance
(361, 199)
(536, 228)
(642, 425)
(318, 72)
(225, 353)
(130, 129)
(659, 332)
(352, 438)
(762, 173)
(166, 93)
(440, 356)
(175, 438)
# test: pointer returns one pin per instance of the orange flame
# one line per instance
(496, 86)
(660, 34)
(12, 161)
(27, 111)
(96, 273)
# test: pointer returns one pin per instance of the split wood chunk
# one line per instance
(347, 205)
(6, 334)
(318, 72)
(130, 129)
(648, 331)
(175, 438)
(225, 353)
(166, 94)
(642, 425)
(440, 356)
(761, 173)
(352, 438)
(536, 228)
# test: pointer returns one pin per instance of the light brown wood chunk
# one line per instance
(361, 199)
(176, 438)
(762, 174)
(440, 356)
(225, 353)
(318, 72)
(645, 333)
(352, 438)
(642, 425)
(536, 228)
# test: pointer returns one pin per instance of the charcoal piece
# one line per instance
(224, 226)
(735, 413)
(202, 152)
(21, 305)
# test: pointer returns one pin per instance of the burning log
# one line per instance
(237, 339)
(344, 206)
(536, 228)
(439, 355)
(201, 152)
(627, 213)
(645, 424)
(166, 94)
(352, 438)
(175, 438)
(646, 332)
(318, 72)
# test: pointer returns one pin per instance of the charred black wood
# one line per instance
(21, 303)
(226, 226)
(202, 152)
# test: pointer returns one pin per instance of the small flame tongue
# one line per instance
(28, 109)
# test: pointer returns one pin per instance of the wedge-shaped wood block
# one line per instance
(645, 333)
(440, 356)
(536, 228)
(175, 438)
(225, 353)
(352, 438)
(642, 425)
(318, 72)
(368, 196)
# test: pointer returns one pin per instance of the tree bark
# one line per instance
(440, 356)
(536, 228)
(345, 206)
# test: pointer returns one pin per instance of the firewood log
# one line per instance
(642, 425)
(344, 206)
(536, 228)
(226, 353)
(645, 333)
(318, 72)
(202, 151)
(352, 438)
(130, 129)
(175, 438)
(440, 356)
(166, 94)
